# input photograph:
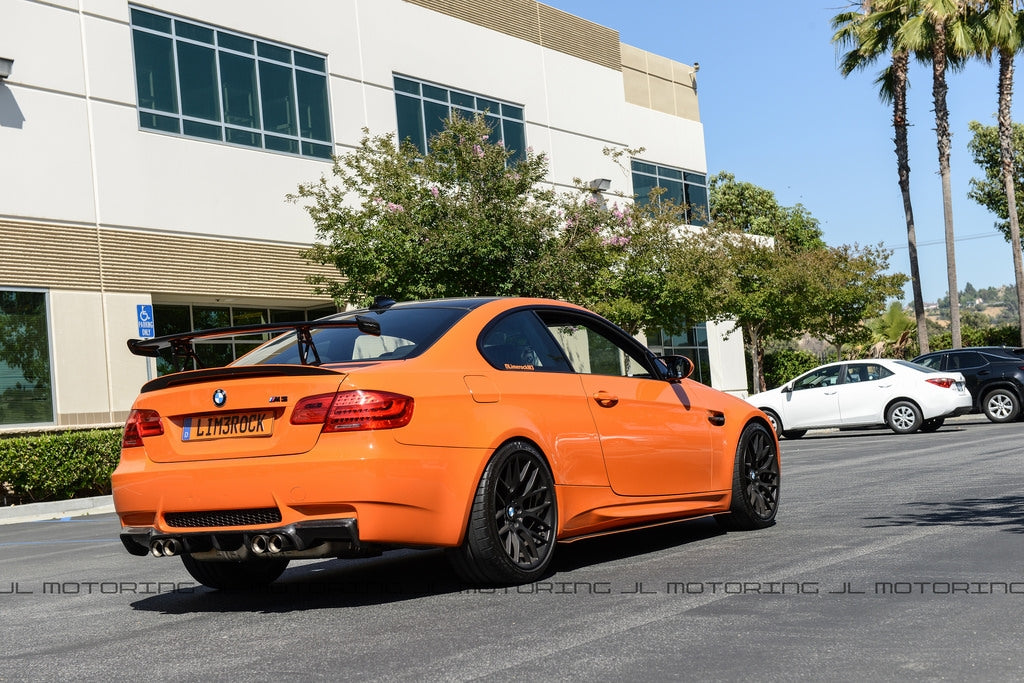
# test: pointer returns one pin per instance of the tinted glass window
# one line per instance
(594, 349)
(822, 377)
(404, 332)
(25, 390)
(520, 342)
(965, 359)
(422, 109)
(269, 95)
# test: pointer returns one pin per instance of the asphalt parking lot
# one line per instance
(893, 557)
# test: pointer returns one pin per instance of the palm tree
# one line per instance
(942, 30)
(871, 33)
(1004, 34)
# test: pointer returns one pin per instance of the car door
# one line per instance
(655, 435)
(813, 400)
(864, 391)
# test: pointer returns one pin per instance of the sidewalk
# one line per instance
(57, 509)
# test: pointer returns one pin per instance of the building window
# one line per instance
(26, 394)
(204, 82)
(175, 318)
(423, 108)
(692, 343)
(688, 190)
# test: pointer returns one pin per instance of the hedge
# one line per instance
(57, 466)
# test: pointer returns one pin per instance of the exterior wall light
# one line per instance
(599, 184)
(5, 67)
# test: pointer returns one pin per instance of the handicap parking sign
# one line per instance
(147, 329)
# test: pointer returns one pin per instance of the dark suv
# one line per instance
(994, 374)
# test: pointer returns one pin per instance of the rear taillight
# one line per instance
(140, 424)
(944, 382)
(349, 411)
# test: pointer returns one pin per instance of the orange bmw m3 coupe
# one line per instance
(492, 427)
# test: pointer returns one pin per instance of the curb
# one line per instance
(56, 509)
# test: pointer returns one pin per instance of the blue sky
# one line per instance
(777, 113)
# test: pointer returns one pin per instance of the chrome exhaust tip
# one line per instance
(277, 543)
(156, 548)
(258, 545)
(171, 547)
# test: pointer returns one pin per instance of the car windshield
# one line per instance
(404, 332)
(915, 366)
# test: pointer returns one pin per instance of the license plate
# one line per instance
(959, 386)
(228, 426)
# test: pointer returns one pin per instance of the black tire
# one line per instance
(755, 481)
(511, 534)
(794, 433)
(231, 575)
(904, 417)
(932, 424)
(1001, 405)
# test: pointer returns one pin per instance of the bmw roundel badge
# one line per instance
(220, 397)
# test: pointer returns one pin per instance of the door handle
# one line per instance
(606, 400)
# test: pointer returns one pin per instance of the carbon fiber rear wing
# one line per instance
(183, 349)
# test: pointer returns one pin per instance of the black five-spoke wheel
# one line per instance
(755, 491)
(511, 534)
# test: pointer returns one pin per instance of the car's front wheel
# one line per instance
(755, 482)
(229, 575)
(903, 417)
(1001, 405)
(511, 533)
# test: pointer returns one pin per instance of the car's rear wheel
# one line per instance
(903, 417)
(755, 483)
(1001, 405)
(243, 575)
(511, 533)
(794, 433)
(932, 424)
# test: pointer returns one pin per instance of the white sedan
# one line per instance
(862, 393)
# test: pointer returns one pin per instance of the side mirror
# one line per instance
(679, 367)
(787, 388)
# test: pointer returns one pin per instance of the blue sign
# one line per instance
(147, 330)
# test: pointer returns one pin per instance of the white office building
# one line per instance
(146, 151)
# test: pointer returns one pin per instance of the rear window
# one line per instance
(404, 333)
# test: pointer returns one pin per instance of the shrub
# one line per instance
(785, 364)
(57, 466)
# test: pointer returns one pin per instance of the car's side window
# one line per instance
(866, 372)
(823, 377)
(593, 350)
(519, 342)
(933, 362)
(965, 359)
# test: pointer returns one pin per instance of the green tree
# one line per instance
(458, 221)
(990, 191)
(465, 220)
(848, 285)
(870, 32)
(744, 207)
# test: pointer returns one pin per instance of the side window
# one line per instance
(824, 377)
(933, 362)
(594, 350)
(519, 342)
(965, 359)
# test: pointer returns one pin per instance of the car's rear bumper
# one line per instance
(302, 540)
(394, 494)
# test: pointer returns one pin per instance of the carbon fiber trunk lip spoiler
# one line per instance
(183, 350)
